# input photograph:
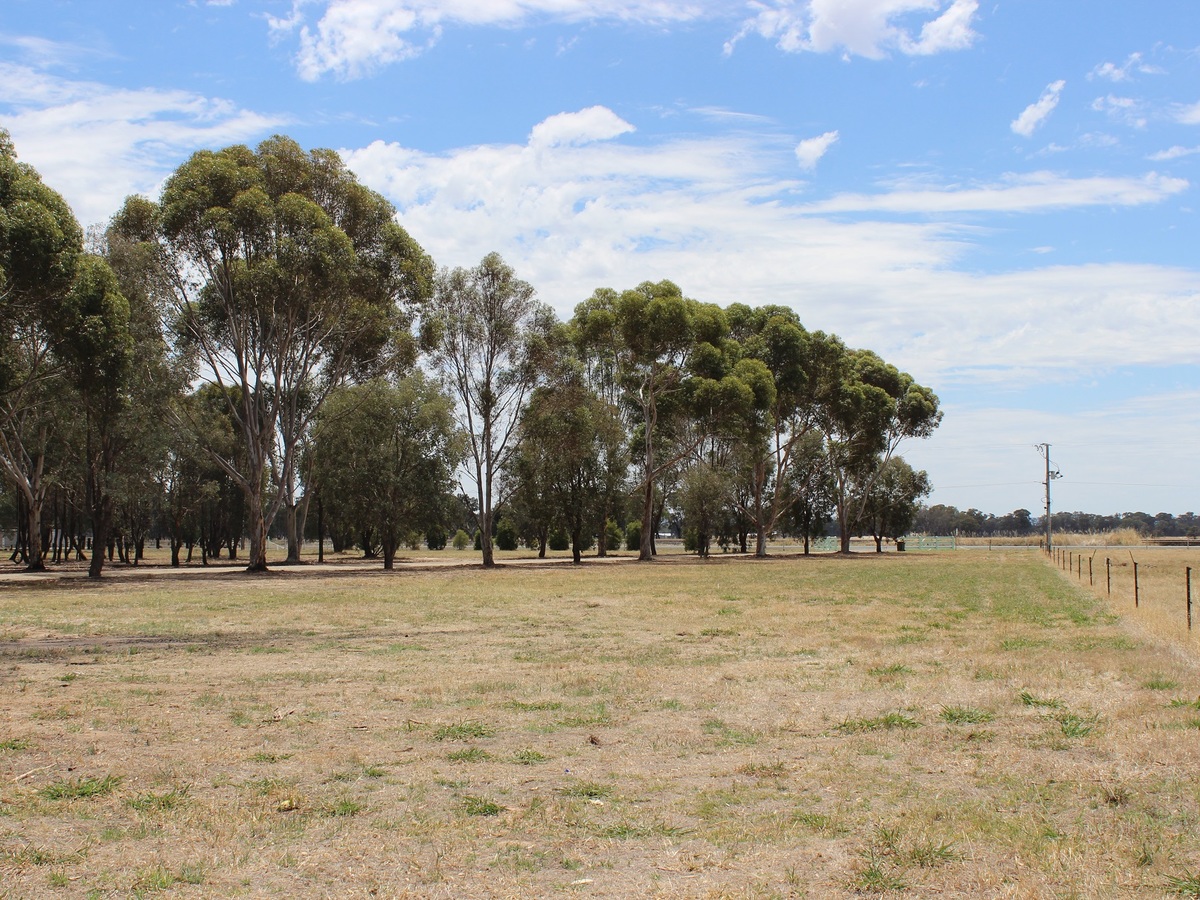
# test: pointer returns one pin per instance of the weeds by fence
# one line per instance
(1155, 585)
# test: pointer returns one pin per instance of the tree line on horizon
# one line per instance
(942, 519)
(264, 342)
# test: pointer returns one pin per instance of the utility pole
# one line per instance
(1044, 449)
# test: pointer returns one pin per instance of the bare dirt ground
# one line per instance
(959, 725)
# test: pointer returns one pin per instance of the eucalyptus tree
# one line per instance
(285, 277)
(387, 452)
(571, 452)
(40, 247)
(893, 500)
(811, 489)
(804, 367)
(491, 341)
(691, 392)
(872, 408)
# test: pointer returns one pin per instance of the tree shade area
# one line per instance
(264, 341)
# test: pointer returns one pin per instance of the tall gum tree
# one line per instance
(803, 366)
(285, 277)
(40, 247)
(491, 343)
(872, 409)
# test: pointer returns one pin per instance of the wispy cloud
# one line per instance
(1036, 113)
(1188, 115)
(1134, 63)
(133, 137)
(810, 151)
(1175, 152)
(1033, 192)
(865, 28)
(350, 39)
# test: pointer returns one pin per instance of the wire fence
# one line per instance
(1158, 586)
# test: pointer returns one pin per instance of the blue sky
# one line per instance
(998, 197)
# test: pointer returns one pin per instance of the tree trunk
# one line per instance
(485, 510)
(102, 513)
(389, 550)
(760, 540)
(291, 523)
(36, 560)
(258, 534)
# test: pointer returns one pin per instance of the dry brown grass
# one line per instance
(969, 725)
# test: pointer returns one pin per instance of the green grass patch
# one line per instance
(463, 731)
(85, 788)
(965, 715)
(886, 722)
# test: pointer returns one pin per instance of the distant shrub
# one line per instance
(613, 536)
(506, 535)
(559, 540)
(462, 540)
(435, 538)
(633, 536)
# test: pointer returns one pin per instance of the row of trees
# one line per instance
(941, 519)
(266, 335)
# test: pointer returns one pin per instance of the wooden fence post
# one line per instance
(1091, 580)
(1108, 573)
(1136, 597)
(1189, 597)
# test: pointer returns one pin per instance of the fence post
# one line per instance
(1108, 573)
(1189, 597)
(1136, 597)
(1079, 567)
(1091, 580)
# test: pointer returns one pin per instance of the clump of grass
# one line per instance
(463, 731)
(893, 669)
(1028, 699)
(589, 790)
(886, 722)
(528, 757)
(343, 807)
(481, 806)
(156, 878)
(172, 799)
(1160, 683)
(1180, 703)
(877, 877)
(927, 854)
(470, 754)
(1184, 885)
(1076, 726)
(536, 706)
(15, 744)
(965, 715)
(80, 788)
(263, 757)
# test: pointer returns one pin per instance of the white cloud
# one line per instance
(810, 151)
(1016, 194)
(596, 123)
(1122, 109)
(862, 27)
(132, 138)
(353, 38)
(716, 216)
(1036, 113)
(1175, 152)
(1188, 115)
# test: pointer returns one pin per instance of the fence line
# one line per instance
(1159, 588)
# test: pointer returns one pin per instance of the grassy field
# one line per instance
(971, 724)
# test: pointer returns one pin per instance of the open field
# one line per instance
(946, 724)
